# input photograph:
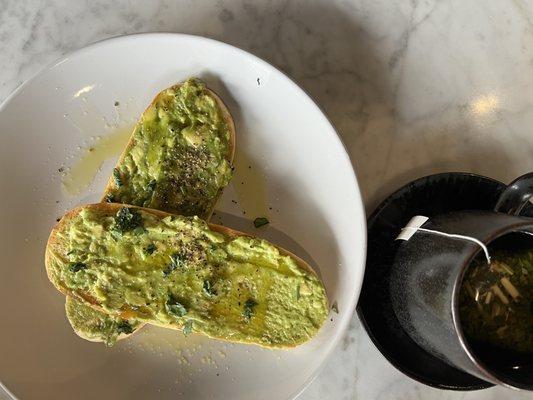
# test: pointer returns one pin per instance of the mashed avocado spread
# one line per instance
(176, 162)
(175, 271)
(179, 157)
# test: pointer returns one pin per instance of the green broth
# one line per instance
(495, 301)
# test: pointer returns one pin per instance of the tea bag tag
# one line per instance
(412, 226)
(417, 221)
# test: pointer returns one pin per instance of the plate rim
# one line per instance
(334, 133)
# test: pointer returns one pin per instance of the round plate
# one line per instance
(290, 167)
(429, 196)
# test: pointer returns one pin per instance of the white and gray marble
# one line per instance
(413, 86)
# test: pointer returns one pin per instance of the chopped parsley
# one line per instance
(249, 308)
(187, 328)
(117, 177)
(168, 269)
(261, 221)
(77, 266)
(150, 248)
(298, 292)
(176, 260)
(208, 288)
(124, 327)
(151, 185)
(335, 308)
(128, 219)
(139, 230)
(174, 307)
(110, 198)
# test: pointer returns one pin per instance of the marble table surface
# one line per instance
(413, 86)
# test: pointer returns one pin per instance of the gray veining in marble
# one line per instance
(414, 87)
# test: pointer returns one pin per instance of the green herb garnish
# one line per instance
(110, 198)
(117, 177)
(174, 307)
(150, 248)
(77, 266)
(208, 288)
(151, 185)
(176, 260)
(261, 221)
(335, 308)
(124, 327)
(127, 219)
(187, 327)
(139, 230)
(168, 269)
(249, 308)
(298, 292)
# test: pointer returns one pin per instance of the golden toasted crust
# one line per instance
(227, 117)
(55, 246)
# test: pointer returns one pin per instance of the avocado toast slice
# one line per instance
(180, 153)
(203, 278)
(179, 160)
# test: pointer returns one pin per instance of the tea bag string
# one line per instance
(417, 221)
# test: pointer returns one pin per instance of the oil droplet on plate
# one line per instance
(250, 186)
(90, 159)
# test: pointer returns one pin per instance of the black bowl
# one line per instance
(429, 196)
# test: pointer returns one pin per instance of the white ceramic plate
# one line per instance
(291, 167)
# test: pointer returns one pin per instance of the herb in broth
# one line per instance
(496, 301)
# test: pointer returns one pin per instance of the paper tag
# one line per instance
(415, 225)
(412, 226)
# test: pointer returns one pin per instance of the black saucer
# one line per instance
(429, 196)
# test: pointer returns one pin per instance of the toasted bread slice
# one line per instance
(131, 191)
(76, 310)
(253, 292)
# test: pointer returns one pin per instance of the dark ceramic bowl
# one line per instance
(429, 196)
(427, 275)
